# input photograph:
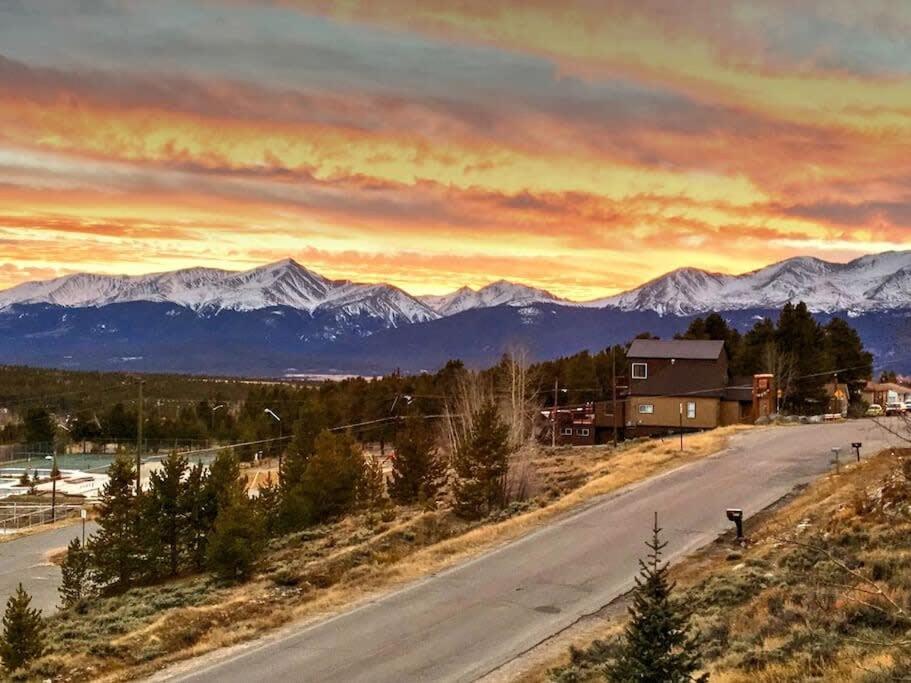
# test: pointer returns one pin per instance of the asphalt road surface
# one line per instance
(25, 560)
(465, 622)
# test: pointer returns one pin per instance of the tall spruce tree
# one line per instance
(166, 515)
(657, 645)
(23, 631)
(198, 520)
(481, 464)
(76, 575)
(416, 468)
(116, 554)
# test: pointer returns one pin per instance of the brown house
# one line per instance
(683, 384)
(584, 424)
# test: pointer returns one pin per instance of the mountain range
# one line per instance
(283, 318)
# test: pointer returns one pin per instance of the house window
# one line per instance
(646, 408)
(691, 410)
(640, 370)
(567, 431)
(582, 432)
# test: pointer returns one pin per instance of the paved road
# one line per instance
(25, 560)
(465, 622)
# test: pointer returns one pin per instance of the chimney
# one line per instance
(763, 396)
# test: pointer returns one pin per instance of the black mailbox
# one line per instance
(856, 446)
(736, 516)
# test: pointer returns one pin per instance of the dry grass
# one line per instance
(324, 570)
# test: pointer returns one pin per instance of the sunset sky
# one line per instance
(583, 147)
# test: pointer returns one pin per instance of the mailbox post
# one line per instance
(856, 446)
(835, 452)
(736, 516)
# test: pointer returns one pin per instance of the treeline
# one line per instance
(803, 354)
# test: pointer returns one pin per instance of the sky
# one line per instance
(583, 147)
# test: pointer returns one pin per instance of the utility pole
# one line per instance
(139, 442)
(553, 431)
(613, 382)
(54, 474)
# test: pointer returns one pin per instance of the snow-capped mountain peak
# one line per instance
(499, 293)
(877, 282)
(283, 283)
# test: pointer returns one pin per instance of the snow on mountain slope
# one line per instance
(501, 293)
(878, 282)
(870, 283)
(284, 283)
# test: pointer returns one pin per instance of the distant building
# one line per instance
(886, 393)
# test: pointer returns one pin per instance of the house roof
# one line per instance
(887, 386)
(740, 389)
(689, 349)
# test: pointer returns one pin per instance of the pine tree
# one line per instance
(481, 464)
(116, 555)
(657, 646)
(76, 580)
(416, 468)
(237, 540)
(23, 631)
(334, 475)
(372, 486)
(310, 423)
(198, 522)
(39, 428)
(165, 515)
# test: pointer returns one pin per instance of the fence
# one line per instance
(15, 516)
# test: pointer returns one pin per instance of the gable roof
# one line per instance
(690, 349)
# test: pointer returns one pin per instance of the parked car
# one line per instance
(907, 406)
(895, 409)
(874, 410)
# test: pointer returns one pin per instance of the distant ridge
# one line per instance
(879, 282)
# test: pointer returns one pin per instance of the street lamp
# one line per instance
(215, 410)
(271, 412)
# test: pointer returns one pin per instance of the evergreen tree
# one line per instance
(198, 520)
(333, 477)
(800, 335)
(310, 423)
(115, 546)
(416, 468)
(371, 493)
(165, 515)
(237, 539)
(39, 428)
(76, 579)
(657, 646)
(481, 464)
(847, 354)
(23, 631)
(888, 376)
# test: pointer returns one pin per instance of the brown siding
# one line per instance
(731, 413)
(667, 412)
